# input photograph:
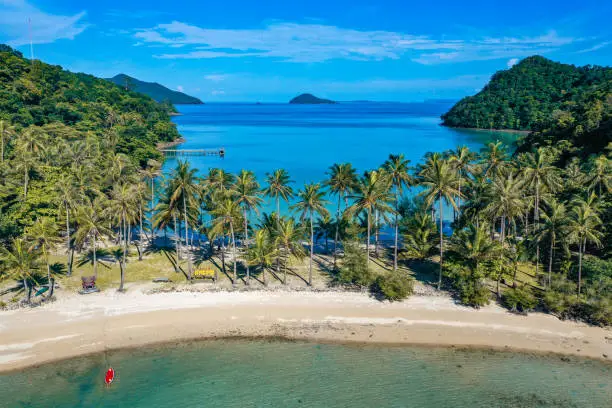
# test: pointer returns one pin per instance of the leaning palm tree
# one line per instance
(7, 132)
(553, 228)
(397, 168)
(21, 263)
(341, 182)
(183, 189)
(92, 223)
(311, 201)
(225, 215)
(288, 236)
(371, 193)
(44, 236)
(441, 184)
(246, 192)
(583, 228)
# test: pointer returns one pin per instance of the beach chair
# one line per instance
(89, 285)
(203, 274)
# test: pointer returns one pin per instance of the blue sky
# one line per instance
(245, 50)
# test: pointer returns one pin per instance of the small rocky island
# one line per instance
(310, 99)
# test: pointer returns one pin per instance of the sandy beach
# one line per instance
(79, 325)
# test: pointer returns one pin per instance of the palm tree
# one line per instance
(538, 174)
(150, 173)
(461, 160)
(68, 198)
(441, 184)
(225, 215)
(123, 205)
(21, 262)
(420, 237)
(553, 228)
(397, 168)
(311, 201)
(262, 252)
(474, 245)
(583, 228)
(26, 163)
(92, 223)
(44, 235)
(278, 188)
(183, 189)
(371, 193)
(288, 236)
(600, 174)
(341, 182)
(494, 160)
(6, 133)
(246, 191)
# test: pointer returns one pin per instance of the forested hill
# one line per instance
(531, 95)
(33, 93)
(156, 91)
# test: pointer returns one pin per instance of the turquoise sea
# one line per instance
(307, 139)
(257, 373)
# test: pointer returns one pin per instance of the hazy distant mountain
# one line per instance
(156, 91)
(309, 99)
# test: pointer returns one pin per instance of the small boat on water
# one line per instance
(110, 376)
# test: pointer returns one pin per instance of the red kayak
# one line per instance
(110, 376)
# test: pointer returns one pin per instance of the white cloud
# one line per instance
(217, 92)
(512, 62)
(595, 47)
(215, 77)
(180, 88)
(46, 28)
(317, 43)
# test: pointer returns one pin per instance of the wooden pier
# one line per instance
(193, 152)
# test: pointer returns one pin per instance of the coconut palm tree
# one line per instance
(583, 228)
(123, 204)
(441, 184)
(150, 173)
(219, 182)
(7, 132)
(44, 236)
(247, 195)
(262, 252)
(420, 239)
(341, 182)
(538, 174)
(225, 215)
(600, 175)
(397, 167)
(474, 245)
(462, 161)
(371, 193)
(311, 201)
(92, 223)
(68, 197)
(183, 188)
(278, 188)
(494, 160)
(21, 262)
(289, 236)
(553, 228)
(26, 163)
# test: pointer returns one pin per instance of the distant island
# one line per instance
(156, 91)
(310, 99)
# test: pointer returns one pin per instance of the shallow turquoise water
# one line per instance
(240, 373)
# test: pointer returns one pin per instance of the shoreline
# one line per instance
(168, 145)
(80, 326)
(510, 131)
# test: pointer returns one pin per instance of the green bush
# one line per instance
(354, 270)
(393, 286)
(473, 293)
(519, 299)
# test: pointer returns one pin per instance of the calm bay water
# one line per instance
(307, 139)
(283, 374)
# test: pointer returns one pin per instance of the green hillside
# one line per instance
(529, 95)
(156, 91)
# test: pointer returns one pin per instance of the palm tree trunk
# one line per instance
(234, 250)
(177, 241)
(246, 239)
(186, 235)
(50, 280)
(368, 238)
(69, 265)
(122, 262)
(441, 245)
(501, 255)
(337, 229)
(580, 250)
(377, 214)
(95, 260)
(278, 226)
(396, 243)
(536, 224)
(151, 214)
(27, 290)
(311, 251)
(25, 182)
(550, 260)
